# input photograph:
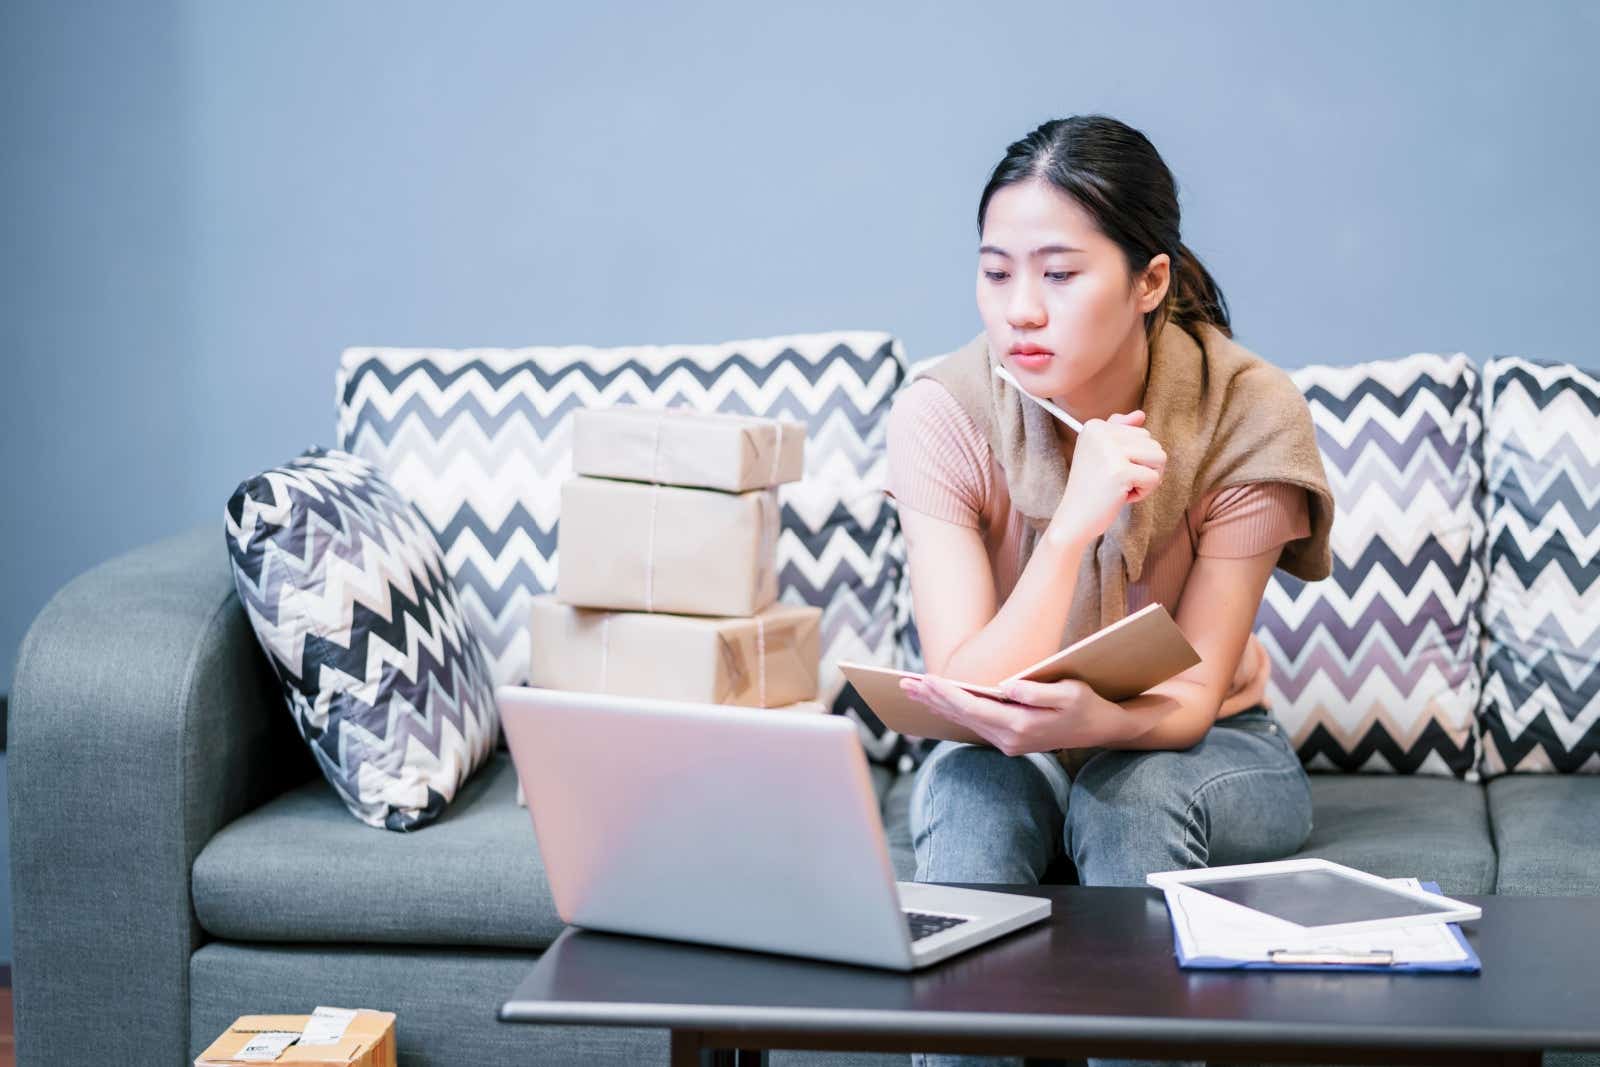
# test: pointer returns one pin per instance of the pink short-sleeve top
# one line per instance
(940, 465)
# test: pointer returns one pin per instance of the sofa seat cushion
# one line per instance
(1412, 826)
(300, 869)
(1436, 829)
(896, 802)
(445, 1000)
(1544, 833)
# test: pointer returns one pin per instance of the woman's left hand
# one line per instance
(1045, 716)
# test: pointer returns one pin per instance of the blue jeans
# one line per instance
(1238, 796)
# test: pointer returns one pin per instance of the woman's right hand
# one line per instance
(1115, 462)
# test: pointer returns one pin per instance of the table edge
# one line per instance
(1002, 1025)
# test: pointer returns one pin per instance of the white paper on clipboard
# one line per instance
(1210, 928)
(1316, 896)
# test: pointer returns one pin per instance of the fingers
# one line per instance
(947, 700)
(1131, 418)
(997, 722)
(1147, 452)
(1060, 696)
(1141, 482)
(1134, 441)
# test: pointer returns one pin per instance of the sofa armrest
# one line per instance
(144, 716)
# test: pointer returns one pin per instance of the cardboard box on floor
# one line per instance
(368, 1041)
(677, 446)
(763, 661)
(629, 546)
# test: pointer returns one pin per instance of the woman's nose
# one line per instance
(1025, 309)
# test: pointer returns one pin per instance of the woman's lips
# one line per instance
(1032, 360)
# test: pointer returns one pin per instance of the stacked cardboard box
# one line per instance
(667, 583)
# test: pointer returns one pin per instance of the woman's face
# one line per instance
(1049, 279)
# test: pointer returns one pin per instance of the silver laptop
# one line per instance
(743, 827)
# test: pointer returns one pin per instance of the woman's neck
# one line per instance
(1117, 389)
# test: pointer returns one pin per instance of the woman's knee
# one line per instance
(1236, 798)
(980, 815)
(981, 782)
(1129, 815)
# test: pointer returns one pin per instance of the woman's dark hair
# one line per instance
(1121, 180)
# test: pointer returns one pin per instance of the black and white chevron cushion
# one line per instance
(1375, 667)
(480, 440)
(1541, 692)
(346, 589)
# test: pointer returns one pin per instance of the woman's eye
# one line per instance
(995, 275)
(1059, 275)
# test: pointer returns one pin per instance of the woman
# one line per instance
(1195, 474)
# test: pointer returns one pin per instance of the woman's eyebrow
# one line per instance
(1042, 251)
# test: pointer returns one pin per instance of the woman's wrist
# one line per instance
(1065, 537)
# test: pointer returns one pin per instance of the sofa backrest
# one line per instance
(1375, 667)
(1541, 656)
(1459, 633)
(480, 440)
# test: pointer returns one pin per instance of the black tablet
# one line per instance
(1317, 893)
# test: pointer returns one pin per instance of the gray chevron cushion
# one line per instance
(346, 589)
(1375, 667)
(1541, 692)
(480, 440)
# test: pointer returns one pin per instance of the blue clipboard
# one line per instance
(1470, 965)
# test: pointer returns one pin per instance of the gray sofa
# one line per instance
(177, 860)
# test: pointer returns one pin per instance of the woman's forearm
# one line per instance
(1031, 623)
(1173, 715)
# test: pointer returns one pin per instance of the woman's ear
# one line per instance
(1154, 282)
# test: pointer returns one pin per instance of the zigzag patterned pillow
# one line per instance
(480, 441)
(1374, 668)
(1541, 694)
(345, 587)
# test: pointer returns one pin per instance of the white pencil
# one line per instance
(1051, 408)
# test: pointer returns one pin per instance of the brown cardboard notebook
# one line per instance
(1120, 661)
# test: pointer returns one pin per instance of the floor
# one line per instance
(8, 1041)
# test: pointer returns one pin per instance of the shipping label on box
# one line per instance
(329, 1037)
(628, 546)
(768, 660)
(677, 446)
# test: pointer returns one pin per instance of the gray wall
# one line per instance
(205, 202)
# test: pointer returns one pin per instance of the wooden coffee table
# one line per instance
(1097, 978)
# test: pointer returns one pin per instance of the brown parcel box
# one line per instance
(628, 546)
(678, 446)
(765, 661)
(368, 1041)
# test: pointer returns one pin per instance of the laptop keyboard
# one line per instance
(923, 924)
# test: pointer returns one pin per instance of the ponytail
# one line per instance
(1193, 297)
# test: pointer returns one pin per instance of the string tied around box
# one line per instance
(655, 496)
